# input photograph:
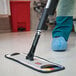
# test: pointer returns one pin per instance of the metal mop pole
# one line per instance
(49, 9)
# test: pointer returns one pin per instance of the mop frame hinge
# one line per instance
(30, 57)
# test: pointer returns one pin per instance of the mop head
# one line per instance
(39, 64)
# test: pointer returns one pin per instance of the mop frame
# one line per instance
(37, 64)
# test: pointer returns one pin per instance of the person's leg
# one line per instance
(61, 32)
(64, 23)
(66, 7)
(63, 26)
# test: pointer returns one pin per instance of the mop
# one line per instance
(34, 62)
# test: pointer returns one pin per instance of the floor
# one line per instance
(21, 42)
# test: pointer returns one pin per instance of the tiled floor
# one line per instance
(21, 42)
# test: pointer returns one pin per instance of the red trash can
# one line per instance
(20, 15)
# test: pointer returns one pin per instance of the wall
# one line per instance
(4, 16)
(3, 7)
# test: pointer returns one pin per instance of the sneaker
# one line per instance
(59, 44)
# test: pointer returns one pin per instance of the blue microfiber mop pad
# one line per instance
(59, 44)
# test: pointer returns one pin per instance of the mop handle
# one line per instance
(49, 9)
